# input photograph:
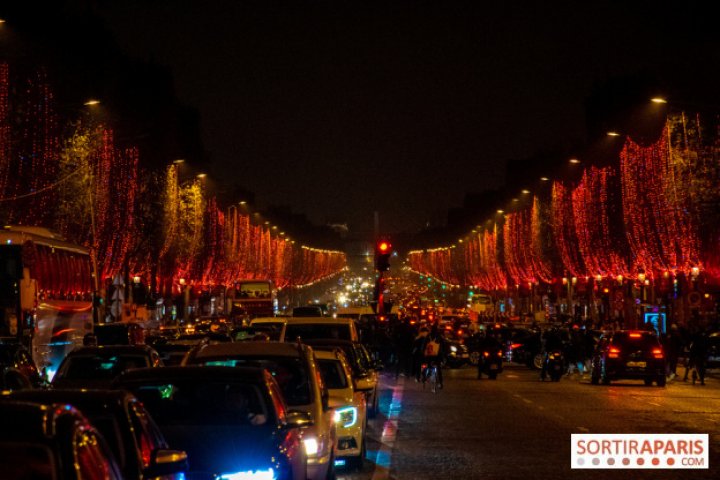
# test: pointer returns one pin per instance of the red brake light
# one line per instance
(657, 352)
(613, 352)
(635, 335)
(499, 354)
(515, 345)
(487, 354)
(460, 332)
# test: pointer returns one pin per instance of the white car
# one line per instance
(295, 369)
(349, 406)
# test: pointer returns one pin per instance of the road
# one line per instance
(518, 427)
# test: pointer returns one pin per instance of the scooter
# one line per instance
(490, 363)
(554, 365)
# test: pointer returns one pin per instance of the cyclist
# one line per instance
(435, 352)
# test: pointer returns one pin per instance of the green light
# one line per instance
(471, 293)
(444, 286)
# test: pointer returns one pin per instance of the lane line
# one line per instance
(383, 460)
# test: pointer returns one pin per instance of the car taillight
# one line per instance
(613, 352)
(515, 345)
(657, 353)
(487, 354)
(499, 354)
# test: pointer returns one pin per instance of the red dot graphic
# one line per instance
(626, 461)
(656, 461)
(671, 461)
(640, 461)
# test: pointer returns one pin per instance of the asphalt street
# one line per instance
(518, 427)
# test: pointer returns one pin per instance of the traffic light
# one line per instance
(383, 250)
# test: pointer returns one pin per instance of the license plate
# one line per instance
(636, 364)
(493, 367)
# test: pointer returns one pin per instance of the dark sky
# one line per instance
(339, 108)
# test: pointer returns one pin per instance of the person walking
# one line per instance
(418, 352)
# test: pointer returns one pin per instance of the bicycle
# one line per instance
(430, 374)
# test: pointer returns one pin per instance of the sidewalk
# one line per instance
(712, 377)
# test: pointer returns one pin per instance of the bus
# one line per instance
(252, 299)
(46, 293)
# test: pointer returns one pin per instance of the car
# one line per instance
(307, 328)
(296, 371)
(96, 367)
(629, 354)
(52, 441)
(232, 422)
(17, 368)
(349, 405)
(713, 358)
(457, 353)
(271, 326)
(525, 347)
(364, 368)
(136, 442)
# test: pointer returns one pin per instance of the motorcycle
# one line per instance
(490, 363)
(554, 365)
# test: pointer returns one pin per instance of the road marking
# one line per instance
(383, 460)
(511, 376)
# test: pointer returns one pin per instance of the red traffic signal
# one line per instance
(383, 250)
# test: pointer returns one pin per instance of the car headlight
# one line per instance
(346, 416)
(453, 348)
(268, 474)
(312, 447)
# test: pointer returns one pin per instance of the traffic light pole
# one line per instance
(380, 295)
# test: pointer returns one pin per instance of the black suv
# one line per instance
(629, 354)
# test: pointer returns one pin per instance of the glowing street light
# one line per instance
(613, 134)
(525, 191)
(658, 100)
(201, 175)
(544, 179)
(178, 161)
(91, 102)
(574, 161)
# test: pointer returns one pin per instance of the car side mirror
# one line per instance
(166, 462)
(297, 419)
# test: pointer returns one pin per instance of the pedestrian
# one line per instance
(698, 356)
(418, 351)
(672, 343)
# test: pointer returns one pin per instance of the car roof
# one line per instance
(311, 320)
(112, 349)
(327, 354)
(83, 399)
(269, 320)
(243, 374)
(264, 349)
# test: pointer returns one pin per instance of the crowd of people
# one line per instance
(406, 344)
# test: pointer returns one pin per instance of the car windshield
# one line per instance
(194, 401)
(22, 460)
(100, 366)
(311, 331)
(290, 373)
(333, 374)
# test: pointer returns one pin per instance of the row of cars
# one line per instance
(230, 410)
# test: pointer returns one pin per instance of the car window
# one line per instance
(291, 373)
(278, 402)
(147, 434)
(317, 330)
(21, 461)
(198, 402)
(333, 374)
(100, 366)
(92, 457)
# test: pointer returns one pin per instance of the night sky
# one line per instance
(339, 108)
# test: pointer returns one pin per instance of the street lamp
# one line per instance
(658, 100)
(91, 102)
(574, 161)
(613, 134)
